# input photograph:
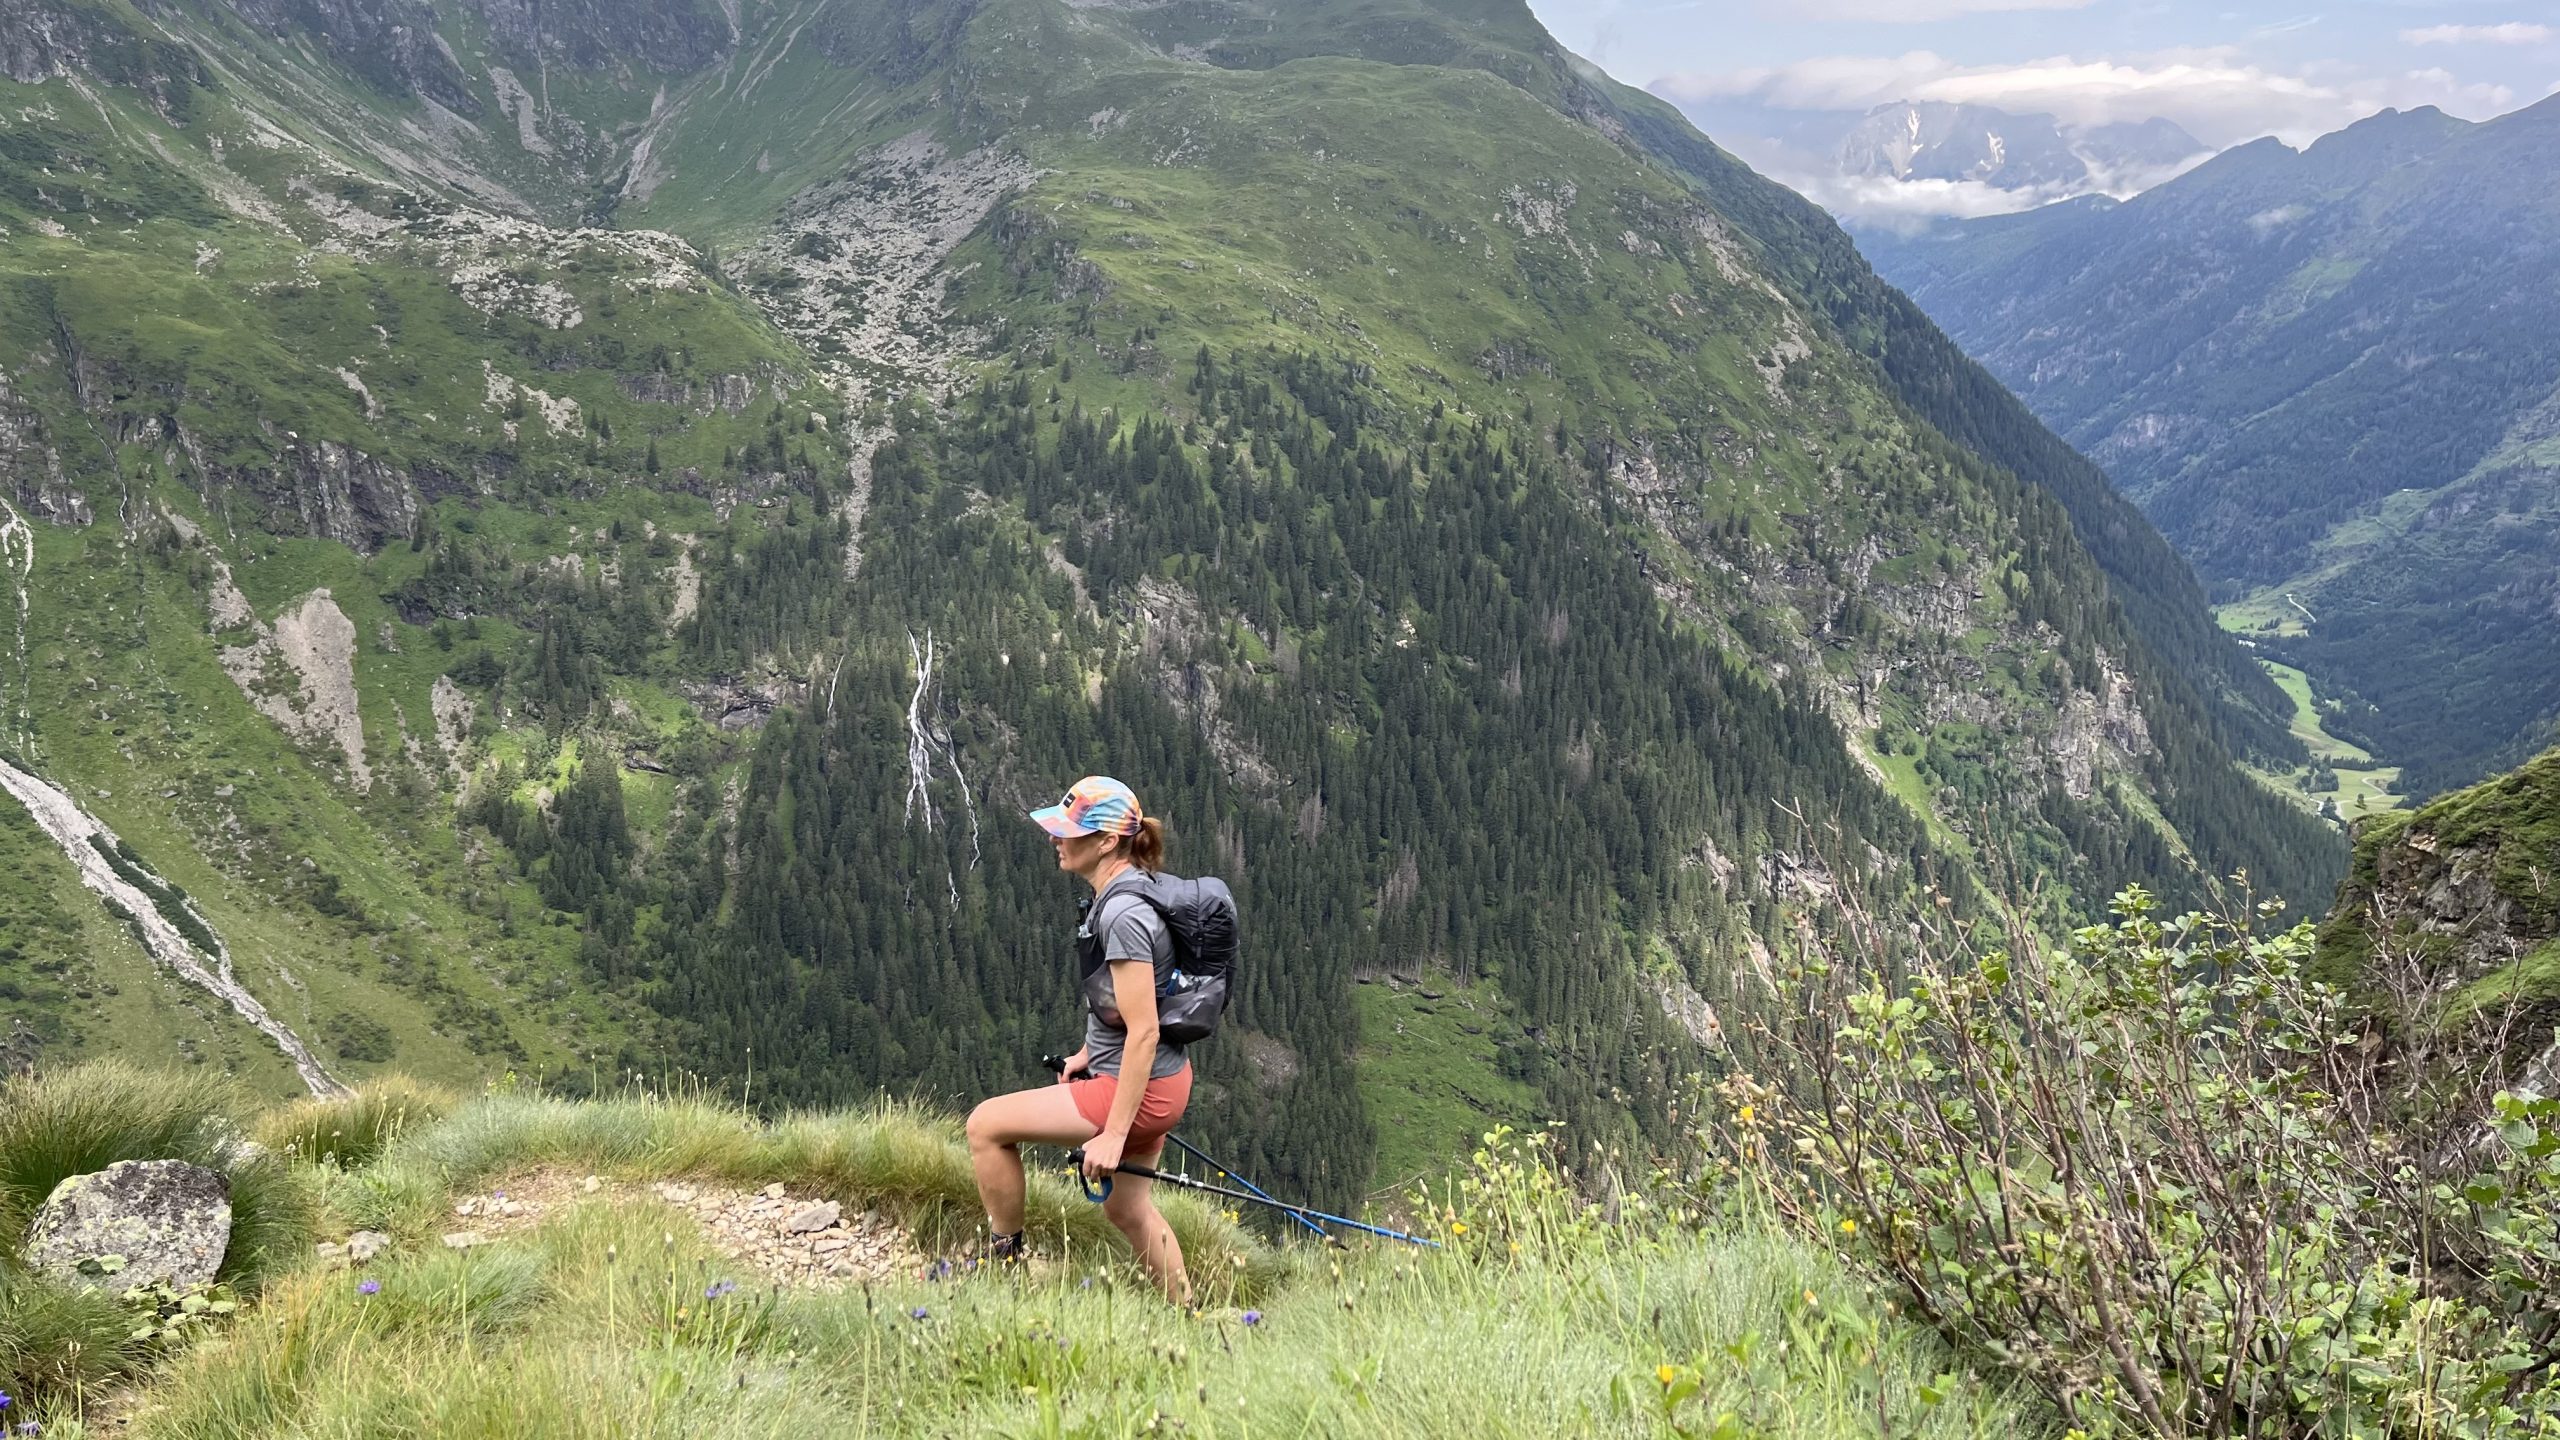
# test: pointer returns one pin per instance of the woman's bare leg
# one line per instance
(997, 1130)
(1132, 1207)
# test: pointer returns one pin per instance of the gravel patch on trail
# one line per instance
(799, 1239)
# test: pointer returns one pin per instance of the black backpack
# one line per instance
(1200, 918)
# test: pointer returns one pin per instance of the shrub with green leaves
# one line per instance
(2155, 1172)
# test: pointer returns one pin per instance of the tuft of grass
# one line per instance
(74, 1121)
(60, 1343)
(352, 1130)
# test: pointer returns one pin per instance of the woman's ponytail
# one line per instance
(1146, 848)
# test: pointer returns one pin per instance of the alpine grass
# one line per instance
(1539, 1314)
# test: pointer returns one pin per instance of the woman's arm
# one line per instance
(1133, 988)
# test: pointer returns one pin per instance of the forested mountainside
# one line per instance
(2330, 377)
(566, 539)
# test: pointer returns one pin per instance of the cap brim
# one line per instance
(1055, 821)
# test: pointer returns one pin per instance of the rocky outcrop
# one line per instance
(2472, 879)
(674, 36)
(2448, 929)
(345, 495)
(1174, 638)
(743, 702)
(151, 1222)
(1686, 1008)
(301, 673)
(729, 394)
(43, 39)
(328, 490)
(30, 466)
(391, 43)
(2096, 729)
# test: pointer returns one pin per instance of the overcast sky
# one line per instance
(2226, 71)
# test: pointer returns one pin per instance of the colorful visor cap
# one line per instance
(1095, 805)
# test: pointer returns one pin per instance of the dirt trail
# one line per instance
(71, 827)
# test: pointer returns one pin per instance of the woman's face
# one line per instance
(1079, 854)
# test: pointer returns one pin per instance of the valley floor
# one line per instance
(2365, 786)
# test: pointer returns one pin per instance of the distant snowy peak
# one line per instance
(1936, 140)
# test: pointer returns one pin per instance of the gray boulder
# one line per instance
(170, 1221)
(814, 1218)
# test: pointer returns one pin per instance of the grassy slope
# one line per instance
(1539, 1320)
(246, 326)
(75, 979)
(1430, 1074)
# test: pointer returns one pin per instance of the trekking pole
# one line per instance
(1058, 1066)
(1075, 1158)
(1196, 1153)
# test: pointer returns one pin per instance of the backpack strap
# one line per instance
(1103, 916)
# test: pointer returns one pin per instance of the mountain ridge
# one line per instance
(2303, 419)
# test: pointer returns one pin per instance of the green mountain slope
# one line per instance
(2338, 387)
(597, 648)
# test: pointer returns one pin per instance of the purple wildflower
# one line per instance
(368, 1286)
(4, 1399)
(31, 1428)
(919, 1313)
(1253, 1317)
(719, 1289)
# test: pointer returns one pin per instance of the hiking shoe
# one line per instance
(1008, 1250)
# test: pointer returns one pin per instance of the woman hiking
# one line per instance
(1125, 1090)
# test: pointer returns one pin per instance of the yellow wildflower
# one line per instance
(1848, 1227)
(1746, 1114)
(1666, 1373)
(1458, 1227)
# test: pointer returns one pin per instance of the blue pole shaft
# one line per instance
(1196, 1153)
(1076, 1159)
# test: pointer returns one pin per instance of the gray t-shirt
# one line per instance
(1132, 930)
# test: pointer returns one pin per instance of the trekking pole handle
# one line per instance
(1075, 1162)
